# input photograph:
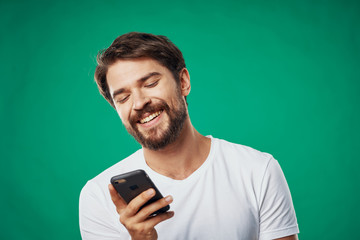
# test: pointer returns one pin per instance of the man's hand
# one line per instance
(140, 225)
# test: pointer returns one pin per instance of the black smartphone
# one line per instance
(131, 184)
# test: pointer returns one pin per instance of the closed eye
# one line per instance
(153, 84)
(122, 100)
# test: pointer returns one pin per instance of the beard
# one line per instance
(159, 137)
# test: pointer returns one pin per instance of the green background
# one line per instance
(279, 76)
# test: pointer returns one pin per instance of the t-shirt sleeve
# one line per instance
(97, 219)
(277, 214)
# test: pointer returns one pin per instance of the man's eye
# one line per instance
(153, 84)
(122, 100)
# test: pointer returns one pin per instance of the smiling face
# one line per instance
(148, 100)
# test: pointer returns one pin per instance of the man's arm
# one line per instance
(96, 221)
(277, 214)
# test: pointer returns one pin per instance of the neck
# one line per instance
(181, 158)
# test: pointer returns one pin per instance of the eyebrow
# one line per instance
(141, 80)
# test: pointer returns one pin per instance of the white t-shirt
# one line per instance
(237, 193)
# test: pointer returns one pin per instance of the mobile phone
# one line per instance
(131, 184)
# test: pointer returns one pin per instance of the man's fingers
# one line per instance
(131, 210)
(117, 200)
(153, 221)
(145, 212)
(135, 221)
(135, 204)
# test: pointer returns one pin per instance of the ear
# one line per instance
(185, 82)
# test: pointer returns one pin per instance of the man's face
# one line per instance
(148, 101)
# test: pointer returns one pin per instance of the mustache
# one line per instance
(149, 108)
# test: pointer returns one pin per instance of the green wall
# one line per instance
(279, 76)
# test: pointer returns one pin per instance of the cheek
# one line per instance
(122, 114)
(167, 93)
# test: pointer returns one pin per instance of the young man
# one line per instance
(216, 189)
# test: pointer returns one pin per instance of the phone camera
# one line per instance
(134, 187)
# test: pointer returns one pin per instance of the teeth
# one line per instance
(151, 117)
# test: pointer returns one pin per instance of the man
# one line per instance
(216, 189)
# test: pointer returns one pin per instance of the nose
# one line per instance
(140, 101)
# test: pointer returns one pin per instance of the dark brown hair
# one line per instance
(136, 45)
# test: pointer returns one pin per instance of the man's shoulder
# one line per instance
(242, 150)
(242, 164)
(242, 155)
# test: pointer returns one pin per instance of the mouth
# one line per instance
(150, 117)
